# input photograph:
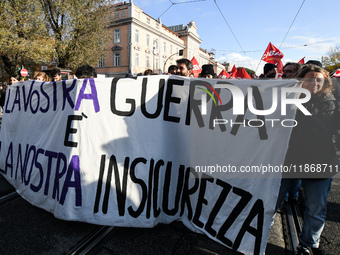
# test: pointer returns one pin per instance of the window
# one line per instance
(155, 44)
(164, 47)
(137, 59)
(147, 61)
(137, 36)
(123, 13)
(116, 59)
(116, 35)
(156, 63)
(170, 49)
(43, 67)
(101, 62)
(148, 20)
(116, 15)
(147, 40)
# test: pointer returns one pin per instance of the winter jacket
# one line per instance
(311, 152)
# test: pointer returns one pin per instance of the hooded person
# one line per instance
(269, 71)
(208, 71)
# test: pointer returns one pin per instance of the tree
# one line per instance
(332, 61)
(23, 35)
(72, 32)
(78, 29)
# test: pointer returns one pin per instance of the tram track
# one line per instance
(93, 242)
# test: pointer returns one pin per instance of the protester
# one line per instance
(148, 72)
(41, 76)
(15, 78)
(2, 96)
(129, 75)
(311, 143)
(269, 71)
(314, 62)
(172, 69)
(184, 67)
(86, 71)
(208, 71)
(56, 74)
(290, 70)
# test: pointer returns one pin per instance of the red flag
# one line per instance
(242, 73)
(196, 69)
(233, 73)
(302, 60)
(223, 75)
(279, 70)
(337, 73)
(234, 70)
(272, 54)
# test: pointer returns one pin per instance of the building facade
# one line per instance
(141, 42)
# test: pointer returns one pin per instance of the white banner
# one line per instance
(138, 152)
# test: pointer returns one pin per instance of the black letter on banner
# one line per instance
(193, 103)
(27, 181)
(66, 93)
(47, 98)
(216, 110)
(10, 158)
(140, 209)
(148, 203)
(187, 192)
(223, 195)
(259, 105)
(245, 198)
(26, 99)
(201, 200)
(156, 210)
(120, 189)
(159, 99)
(59, 175)
(72, 168)
(16, 100)
(113, 101)
(50, 155)
(39, 166)
(99, 184)
(22, 165)
(70, 130)
(166, 190)
(259, 211)
(169, 99)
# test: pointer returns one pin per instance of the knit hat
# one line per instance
(208, 69)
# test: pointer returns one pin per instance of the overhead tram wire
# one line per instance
(231, 30)
(292, 23)
(186, 2)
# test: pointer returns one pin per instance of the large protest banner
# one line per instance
(148, 150)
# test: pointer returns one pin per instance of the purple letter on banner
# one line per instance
(92, 96)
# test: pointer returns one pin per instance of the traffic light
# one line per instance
(180, 53)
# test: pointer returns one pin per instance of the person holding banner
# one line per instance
(290, 70)
(184, 67)
(208, 72)
(86, 71)
(41, 76)
(56, 74)
(269, 71)
(311, 146)
(15, 78)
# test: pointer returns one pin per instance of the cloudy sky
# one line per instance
(241, 30)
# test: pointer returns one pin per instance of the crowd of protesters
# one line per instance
(313, 141)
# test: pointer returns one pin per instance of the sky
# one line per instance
(240, 31)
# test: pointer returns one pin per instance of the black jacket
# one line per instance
(311, 150)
